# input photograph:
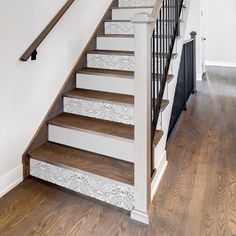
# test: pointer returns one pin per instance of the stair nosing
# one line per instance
(71, 127)
(118, 53)
(170, 76)
(111, 73)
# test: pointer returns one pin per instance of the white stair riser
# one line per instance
(112, 62)
(127, 14)
(108, 84)
(111, 84)
(122, 44)
(115, 43)
(135, 3)
(106, 110)
(107, 145)
(106, 190)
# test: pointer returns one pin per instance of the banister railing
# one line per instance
(186, 81)
(155, 36)
(32, 49)
(163, 40)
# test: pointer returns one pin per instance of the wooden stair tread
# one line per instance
(77, 122)
(128, 36)
(108, 72)
(106, 97)
(164, 104)
(121, 53)
(98, 95)
(157, 137)
(127, 21)
(104, 166)
(112, 52)
(132, 7)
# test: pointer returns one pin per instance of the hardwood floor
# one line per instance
(196, 197)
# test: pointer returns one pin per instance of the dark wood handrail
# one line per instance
(31, 51)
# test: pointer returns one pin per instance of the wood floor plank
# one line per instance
(196, 197)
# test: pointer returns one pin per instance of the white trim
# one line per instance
(159, 174)
(140, 216)
(11, 180)
(221, 63)
(199, 76)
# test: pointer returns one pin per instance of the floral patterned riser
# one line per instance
(112, 62)
(114, 193)
(126, 28)
(136, 3)
(101, 110)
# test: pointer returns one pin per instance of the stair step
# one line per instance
(100, 177)
(121, 53)
(125, 13)
(113, 81)
(102, 96)
(121, 27)
(76, 122)
(132, 7)
(106, 97)
(107, 72)
(94, 135)
(77, 159)
(102, 105)
(133, 3)
(123, 42)
(98, 126)
(114, 73)
(113, 60)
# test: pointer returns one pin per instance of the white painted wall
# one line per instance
(27, 89)
(220, 31)
(194, 24)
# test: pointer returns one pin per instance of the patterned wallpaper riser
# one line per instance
(112, 62)
(136, 3)
(101, 110)
(106, 190)
(126, 28)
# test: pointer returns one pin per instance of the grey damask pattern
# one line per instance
(112, 192)
(119, 28)
(136, 3)
(102, 110)
(116, 62)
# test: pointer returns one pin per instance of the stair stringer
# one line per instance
(160, 161)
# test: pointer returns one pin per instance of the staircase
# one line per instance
(90, 146)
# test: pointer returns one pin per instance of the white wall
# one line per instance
(194, 24)
(27, 89)
(220, 31)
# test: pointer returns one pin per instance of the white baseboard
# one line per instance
(10, 180)
(221, 63)
(199, 76)
(140, 217)
(159, 174)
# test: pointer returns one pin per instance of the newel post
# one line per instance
(144, 26)
(194, 36)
